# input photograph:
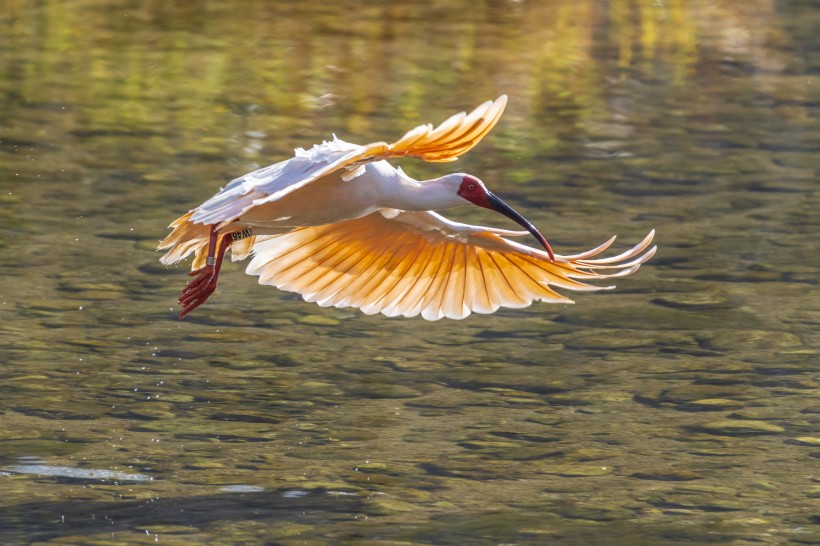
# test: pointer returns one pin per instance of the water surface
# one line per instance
(680, 408)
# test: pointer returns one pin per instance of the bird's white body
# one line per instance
(340, 195)
(341, 226)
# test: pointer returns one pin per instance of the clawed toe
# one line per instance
(189, 295)
(192, 299)
(203, 275)
(203, 285)
(198, 290)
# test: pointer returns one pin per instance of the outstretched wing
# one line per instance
(410, 263)
(455, 136)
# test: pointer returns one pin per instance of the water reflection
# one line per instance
(71, 473)
(677, 408)
(159, 69)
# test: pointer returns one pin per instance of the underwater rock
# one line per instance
(731, 427)
(576, 470)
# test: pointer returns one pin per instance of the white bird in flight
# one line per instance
(341, 226)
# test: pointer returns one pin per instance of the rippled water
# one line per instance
(680, 408)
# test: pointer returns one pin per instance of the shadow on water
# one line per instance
(308, 514)
(38, 521)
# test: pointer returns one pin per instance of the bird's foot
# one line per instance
(198, 290)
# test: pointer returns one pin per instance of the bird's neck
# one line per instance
(405, 193)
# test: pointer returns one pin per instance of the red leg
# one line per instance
(203, 273)
(200, 289)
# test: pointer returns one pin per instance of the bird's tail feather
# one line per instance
(186, 237)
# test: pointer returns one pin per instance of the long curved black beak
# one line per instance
(498, 205)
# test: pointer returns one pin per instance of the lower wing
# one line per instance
(411, 263)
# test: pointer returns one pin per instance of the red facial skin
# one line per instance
(474, 191)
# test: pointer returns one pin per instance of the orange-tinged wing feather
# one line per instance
(455, 136)
(420, 263)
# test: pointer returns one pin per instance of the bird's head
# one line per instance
(473, 190)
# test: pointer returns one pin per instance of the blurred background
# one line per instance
(679, 408)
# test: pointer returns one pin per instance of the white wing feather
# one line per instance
(271, 182)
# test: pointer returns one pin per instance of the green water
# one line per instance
(680, 408)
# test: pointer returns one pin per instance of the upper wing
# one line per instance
(455, 136)
(421, 263)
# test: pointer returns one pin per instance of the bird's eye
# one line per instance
(471, 187)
